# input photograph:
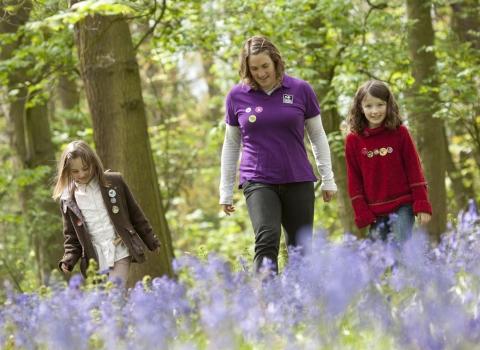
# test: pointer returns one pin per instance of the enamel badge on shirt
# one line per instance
(287, 98)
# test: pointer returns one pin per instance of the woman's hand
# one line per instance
(423, 218)
(228, 208)
(64, 268)
(327, 195)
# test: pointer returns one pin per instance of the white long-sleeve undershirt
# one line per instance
(231, 154)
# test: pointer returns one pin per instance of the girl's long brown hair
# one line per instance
(356, 119)
(253, 46)
(89, 158)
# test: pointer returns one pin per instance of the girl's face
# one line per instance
(81, 173)
(375, 111)
(262, 70)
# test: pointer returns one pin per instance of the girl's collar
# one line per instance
(370, 132)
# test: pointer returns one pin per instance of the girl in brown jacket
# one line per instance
(101, 219)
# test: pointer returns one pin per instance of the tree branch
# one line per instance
(150, 31)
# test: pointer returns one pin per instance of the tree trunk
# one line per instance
(69, 99)
(214, 114)
(465, 22)
(461, 192)
(14, 111)
(67, 91)
(422, 105)
(331, 122)
(331, 119)
(30, 139)
(112, 84)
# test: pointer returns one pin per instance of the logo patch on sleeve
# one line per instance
(287, 98)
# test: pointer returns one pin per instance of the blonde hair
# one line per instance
(89, 158)
(254, 46)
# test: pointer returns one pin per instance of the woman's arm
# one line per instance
(321, 152)
(229, 162)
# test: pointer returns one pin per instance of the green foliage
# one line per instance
(24, 233)
(188, 55)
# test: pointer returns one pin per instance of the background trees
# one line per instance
(144, 82)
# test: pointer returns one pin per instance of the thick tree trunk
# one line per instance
(429, 134)
(331, 122)
(112, 84)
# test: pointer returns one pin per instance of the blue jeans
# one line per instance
(400, 223)
(290, 205)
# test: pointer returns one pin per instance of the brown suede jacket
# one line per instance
(129, 222)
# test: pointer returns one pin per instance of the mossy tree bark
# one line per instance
(112, 85)
(423, 103)
(331, 122)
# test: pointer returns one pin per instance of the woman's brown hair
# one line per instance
(254, 46)
(356, 119)
(89, 158)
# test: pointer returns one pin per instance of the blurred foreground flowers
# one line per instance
(353, 295)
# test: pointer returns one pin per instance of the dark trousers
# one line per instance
(272, 206)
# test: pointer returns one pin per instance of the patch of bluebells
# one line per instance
(354, 294)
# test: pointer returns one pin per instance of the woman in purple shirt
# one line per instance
(266, 116)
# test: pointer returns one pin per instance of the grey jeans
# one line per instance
(270, 207)
(400, 224)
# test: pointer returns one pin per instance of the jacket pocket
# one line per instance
(136, 241)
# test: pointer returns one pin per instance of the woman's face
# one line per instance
(81, 173)
(262, 69)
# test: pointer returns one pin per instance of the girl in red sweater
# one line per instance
(385, 179)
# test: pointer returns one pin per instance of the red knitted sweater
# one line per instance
(384, 173)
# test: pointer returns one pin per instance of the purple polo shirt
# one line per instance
(272, 129)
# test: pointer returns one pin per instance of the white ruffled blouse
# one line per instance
(102, 233)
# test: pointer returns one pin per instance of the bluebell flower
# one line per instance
(76, 281)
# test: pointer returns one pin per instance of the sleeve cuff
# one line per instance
(328, 186)
(365, 219)
(67, 261)
(155, 245)
(226, 200)
(422, 207)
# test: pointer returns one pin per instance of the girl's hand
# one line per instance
(228, 208)
(157, 250)
(65, 268)
(327, 195)
(423, 218)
